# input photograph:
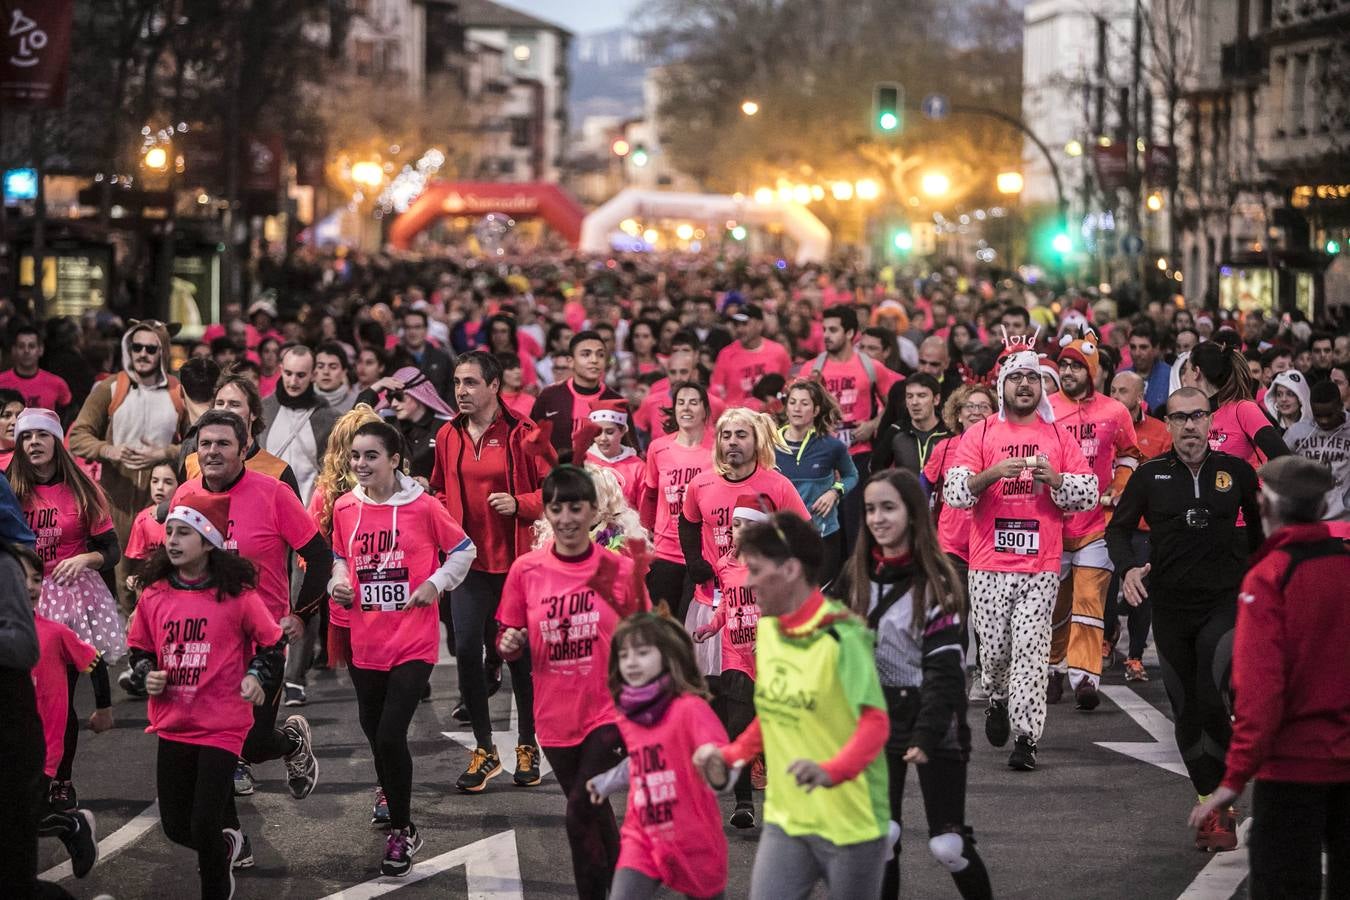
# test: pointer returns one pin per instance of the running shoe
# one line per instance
(527, 766)
(483, 765)
(61, 795)
(1134, 670)
(295, 694)
(243, 779)
(1218, 833)
(234, 840)
(243, 857)
(379, 814)
(1023, 756)
(127, 682)
(743, 816)
(461, 713)
(399, 848)
(302, 768)
(759, 773)
(81, 843)
(997, 728)
(1054, 688)
(1085, 696)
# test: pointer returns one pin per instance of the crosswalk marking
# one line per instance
(1224, 874)
(491, 866)
(114, 843)
(1162, 751)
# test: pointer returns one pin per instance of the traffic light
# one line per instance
(1062, 243)
(1333, 247)
(903, 241)
(640, 156)
(888, 101)
(620, 148)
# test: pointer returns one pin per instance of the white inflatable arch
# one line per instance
(810, 234)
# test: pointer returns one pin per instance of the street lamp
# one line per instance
(935, 184)
(156, 158)
(750, 107)
(1154, 202)
(1074, 148)
(867, 189)
(1009, 182)
(763, 195)
(842, 190)
(368, 173)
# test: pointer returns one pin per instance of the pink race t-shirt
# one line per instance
(146, 535)
(204, 641)
(670, 468)
(42, 390)
(710, 498)
(650, 415)
(847, 383)
(1016, 526)
(953, 529)
(568, 608)
(1234, 427)
(1105, 434)
(386, 566)
(737, 369)
(737, 615)
(54, 515)
(266, 523)
(672, 830)
(58, 648)
(629, 470)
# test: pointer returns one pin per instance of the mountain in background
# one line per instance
(607, 70)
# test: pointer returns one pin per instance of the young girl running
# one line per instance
(737, 618)
(600, 443)
(825, 811)
(76, 541)
(671, 834)
(147, 534)
(192, 648)
(560, 604)
(396, 550)
(911, 595)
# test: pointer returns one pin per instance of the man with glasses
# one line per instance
(1190, 498)
(132, 422)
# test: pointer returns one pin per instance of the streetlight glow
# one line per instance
(801, 193)
(156, 158)
(763, 195)
(750, 107)
(1154, 202)
(867, 189)
(1074, 148)
(684, 231)
(368, 173)
(842, 190)
(738, 232)
(620, 147)
(1010, 182)
(935, 184)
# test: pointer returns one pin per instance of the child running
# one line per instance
(147, 534)
(826, 813)
(671, 834)
(737, 618)
(904, 584)
(196, 627)
(561, 603)
(396, 550)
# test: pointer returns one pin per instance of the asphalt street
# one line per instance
(1092, 822)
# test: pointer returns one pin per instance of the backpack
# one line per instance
(122, 387)
(878, 402)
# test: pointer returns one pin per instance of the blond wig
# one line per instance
(761, 425)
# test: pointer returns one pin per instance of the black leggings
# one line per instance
(592, 832)
(1195, 650)
(669, 582)
(473, 605)
(1292, 824)
(736, 696)
(833, 561)
(1140, 618)
(195, 786)
(264, 741)
(22, 750)
(942, 781)
(385, 704)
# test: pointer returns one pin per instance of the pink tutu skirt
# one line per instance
(89, 609)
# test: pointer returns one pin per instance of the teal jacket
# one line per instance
(818, 464)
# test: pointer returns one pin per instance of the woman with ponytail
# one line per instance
(1240, 427)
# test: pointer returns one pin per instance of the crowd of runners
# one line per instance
(723, 527)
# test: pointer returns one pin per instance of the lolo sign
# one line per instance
(36, 53)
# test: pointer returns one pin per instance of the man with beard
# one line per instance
(1105, 434)
(332, 381)
(298, 420)
(1020, 475)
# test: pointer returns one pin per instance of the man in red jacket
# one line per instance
(1291, 728)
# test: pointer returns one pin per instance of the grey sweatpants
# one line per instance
(788, 868)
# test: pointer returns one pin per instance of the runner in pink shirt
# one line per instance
(602, 444)
(396, 551)
(748, 359)
(1021, 475)
(671, 834)
(743, 463)
(561, 604)
(681, 368)
(38, 387)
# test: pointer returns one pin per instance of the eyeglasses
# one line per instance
(1181, 418)
(976, 407)
(151, 349)
(394, 396)
(1020, 377)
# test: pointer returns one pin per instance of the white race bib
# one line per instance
(1018, 536)
(383, 590)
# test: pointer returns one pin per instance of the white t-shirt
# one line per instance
(1332, 449)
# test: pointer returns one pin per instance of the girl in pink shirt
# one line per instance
(600, 443)
(396, 550)
(561, 603)
(193, 643)
(147, 534)
(671, 832)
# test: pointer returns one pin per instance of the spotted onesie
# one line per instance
(1011, 611)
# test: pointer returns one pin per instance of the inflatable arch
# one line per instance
(478, 198)
(811, 235)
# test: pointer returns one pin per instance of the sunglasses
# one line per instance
(395, 396)
(151, 349)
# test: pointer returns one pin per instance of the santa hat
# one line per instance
(753, 508)
(1048, 369)
(207, 514)
(610, 411)
(1024, 361)
(36, 419)
(1084, 350)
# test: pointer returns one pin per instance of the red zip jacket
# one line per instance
(529, 458)
(1292, 684)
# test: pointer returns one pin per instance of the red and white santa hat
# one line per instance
(207, 514)
(614, 412)
(753, 508)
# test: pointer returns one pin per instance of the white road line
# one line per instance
(1162, 752)
(114, 843)
(492, 868)
(511, 737)
(1221, 878)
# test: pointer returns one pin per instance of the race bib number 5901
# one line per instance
(383, 590)
(1019, 536)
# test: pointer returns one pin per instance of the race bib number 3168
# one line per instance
(383, 590)
(1019, 536)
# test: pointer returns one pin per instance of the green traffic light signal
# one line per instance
(1333, 247)
(1062, 244)
(903, 241)
(888, 100)
(640, 156)
(888, 121)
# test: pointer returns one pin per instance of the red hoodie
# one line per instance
(1290, 679)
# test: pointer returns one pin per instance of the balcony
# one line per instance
(1243, 61)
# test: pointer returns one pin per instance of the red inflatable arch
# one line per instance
(478, 198)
